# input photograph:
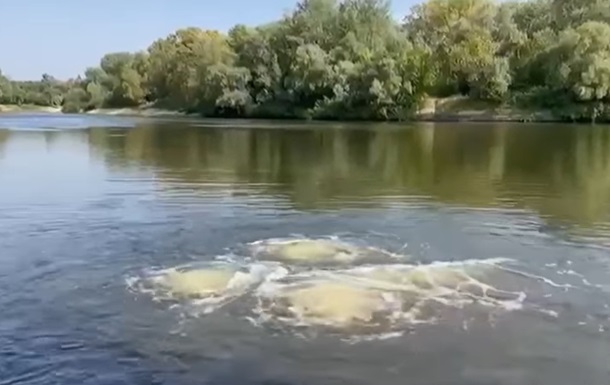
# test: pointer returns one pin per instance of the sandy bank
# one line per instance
(136, 111)
(7, 109)
(464, 109)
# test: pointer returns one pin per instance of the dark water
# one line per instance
(86, 203)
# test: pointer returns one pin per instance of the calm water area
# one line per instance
(91, 207)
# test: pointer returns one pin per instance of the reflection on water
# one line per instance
(561, 172)
(149, 251)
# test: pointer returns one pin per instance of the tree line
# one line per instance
(351, 59)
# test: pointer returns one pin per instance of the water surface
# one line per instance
(90, 205)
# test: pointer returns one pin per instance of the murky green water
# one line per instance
(502, 232)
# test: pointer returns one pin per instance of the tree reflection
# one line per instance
(559, 171)
(4, 135)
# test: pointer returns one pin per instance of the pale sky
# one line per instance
(63, 37)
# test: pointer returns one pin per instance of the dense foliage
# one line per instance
(351, 60)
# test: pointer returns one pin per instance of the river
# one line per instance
(97, 212)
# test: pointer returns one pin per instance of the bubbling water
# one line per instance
(379, 298)
(323, 302)
(326, 284)
(196, 283)
(317, 252)
(206, 287)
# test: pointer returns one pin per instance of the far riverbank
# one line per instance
(11, 108)
(452, 109)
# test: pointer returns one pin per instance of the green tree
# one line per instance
(580, 66)
(349, 59)
(123, 80)
(6, 90)
(178, 64)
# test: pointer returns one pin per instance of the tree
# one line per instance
(121, 77)
(178, 63)
(6, 90)
(254, 52)
(581, 65)
(349, 59)
(460, 36)
(573, 13)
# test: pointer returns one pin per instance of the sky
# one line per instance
(63, 37)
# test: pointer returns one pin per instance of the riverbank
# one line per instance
(138, 111)
(464, 109)
(10, 108)
(451, 109)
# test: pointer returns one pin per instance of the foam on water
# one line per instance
(380, 298)
(205, 288)
(325, 251)
(304, 285)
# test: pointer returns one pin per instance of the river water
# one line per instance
(95, 211)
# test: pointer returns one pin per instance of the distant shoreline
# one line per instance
(455, 109)
(449, 109)
(135, 111)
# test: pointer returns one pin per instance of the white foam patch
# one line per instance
(205, 288)
(305, 286)
(379, 299)
(373, 337)
(310, 251)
